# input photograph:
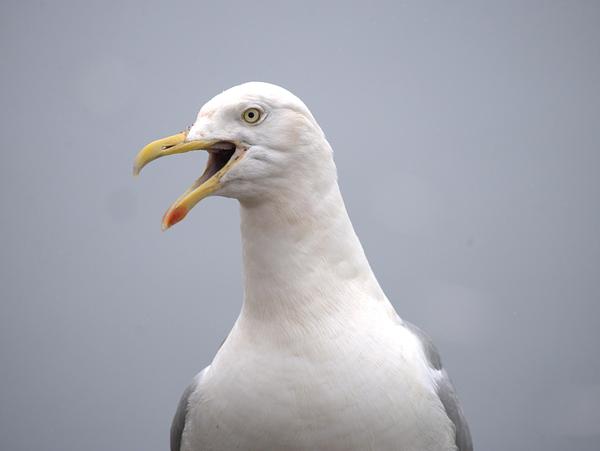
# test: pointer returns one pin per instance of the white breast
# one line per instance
(354, 390)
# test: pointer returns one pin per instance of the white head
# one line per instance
(263, 143)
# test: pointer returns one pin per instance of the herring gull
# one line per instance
(318, 358)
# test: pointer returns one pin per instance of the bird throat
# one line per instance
(302, 260)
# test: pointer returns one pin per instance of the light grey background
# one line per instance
(467, 140)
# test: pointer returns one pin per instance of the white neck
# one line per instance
(303, 263)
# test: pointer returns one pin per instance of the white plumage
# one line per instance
(318, 358)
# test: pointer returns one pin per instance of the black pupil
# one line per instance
(251, 114)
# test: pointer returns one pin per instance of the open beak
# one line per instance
(222, 156)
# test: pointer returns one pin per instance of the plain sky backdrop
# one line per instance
(467, 139)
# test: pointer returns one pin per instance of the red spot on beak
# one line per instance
(174, 216)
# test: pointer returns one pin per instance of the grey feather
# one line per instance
(178, 423)
(445, 391)
(448, 397)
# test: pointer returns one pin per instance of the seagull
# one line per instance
(318, 358)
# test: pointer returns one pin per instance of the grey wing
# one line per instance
(445, 390)
(179, 419)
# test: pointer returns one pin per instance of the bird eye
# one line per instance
(251, 115)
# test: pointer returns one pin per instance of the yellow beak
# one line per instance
(207, 184)
(162, 147)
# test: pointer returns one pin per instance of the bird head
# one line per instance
(262, 142)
